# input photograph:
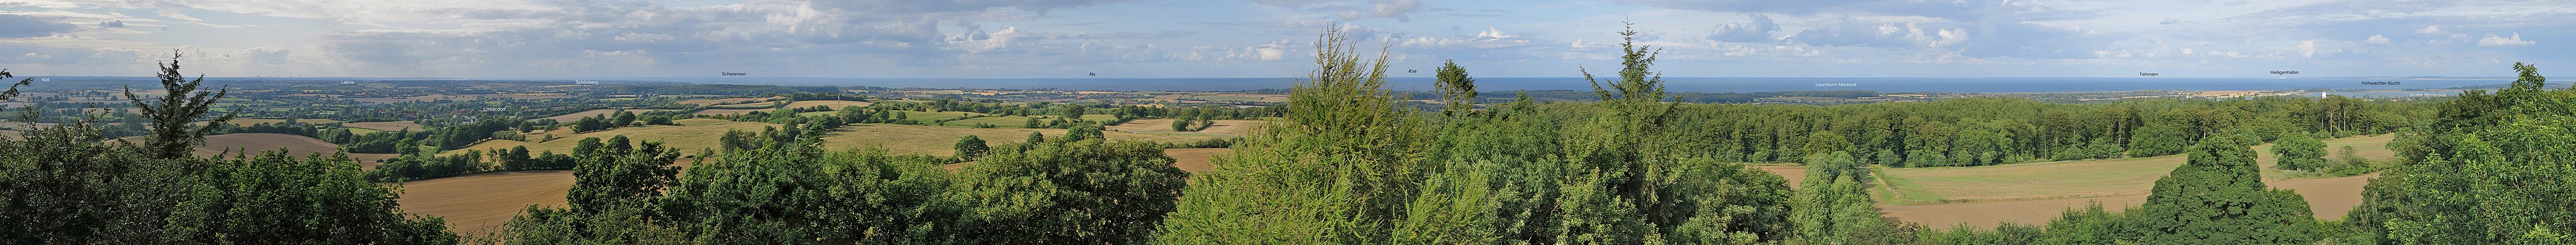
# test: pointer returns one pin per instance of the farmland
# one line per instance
(386, 126)
(594, 113)
(2034, 193)
(481, 203)
(689, 136)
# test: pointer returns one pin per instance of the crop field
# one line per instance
(386, 126)
(691, 135)
(2034, 193)
(295, 145)
(482, 203)
(591, 113)
(1195, 160)
(1000, 121)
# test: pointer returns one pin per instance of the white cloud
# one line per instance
(2493, 40)
(2308, 49)
(2431, 29)
(1757, 31)
(2376, 39)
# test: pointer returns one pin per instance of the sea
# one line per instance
(1673, 84)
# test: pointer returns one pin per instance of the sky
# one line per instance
(1275, 38)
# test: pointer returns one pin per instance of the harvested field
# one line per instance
(1795, 174)
(482, 203)
(2330, 198)
(1195, 160)
(2035, 193)
(386, 126)
(295, 145)
(2374, 148)
(592, 113)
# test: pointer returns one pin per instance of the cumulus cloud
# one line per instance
(22, 26)
(1887, 34)
(2431, 30)
(2376, 39)
(1757, 31)
(112, 24)
(2493, 40)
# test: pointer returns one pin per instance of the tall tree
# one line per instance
(1457, 90)
(2299, 152)
(2493, 169)
(2218, 197)
(969, 148)
(180, 105)
(1337, 169)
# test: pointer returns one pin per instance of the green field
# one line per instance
(934, 116)
(2060, 180)
(1001, 121)
(693, 134)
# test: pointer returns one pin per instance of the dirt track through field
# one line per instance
(483, 203)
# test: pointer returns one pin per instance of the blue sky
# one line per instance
(1274, 38)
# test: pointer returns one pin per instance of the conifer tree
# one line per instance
(179, 106)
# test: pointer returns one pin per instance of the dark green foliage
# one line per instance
(62, 185)
(1457, 90)
(970, 148)
(276, 199)
(2299, 152)
(2218, 197)
(2494, 169)
(1084, 131)
(1834, 206)
(1079, 192)
(2158, 140)
(411, 167)
(619, 172)
(171, 113)
(1349, 166)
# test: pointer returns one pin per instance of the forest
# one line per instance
(1344, 161)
